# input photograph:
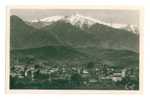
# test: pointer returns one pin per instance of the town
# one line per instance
(89, 75)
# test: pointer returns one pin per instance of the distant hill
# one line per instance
(63, 54)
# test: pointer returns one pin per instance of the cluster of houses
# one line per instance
(89, 74)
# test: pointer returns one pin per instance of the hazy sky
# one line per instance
(114, 16)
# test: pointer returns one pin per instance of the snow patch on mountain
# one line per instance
(48, 19)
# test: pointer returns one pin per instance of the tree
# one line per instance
(29, 59)
(91, 69)
(75, 80)
(90, 65)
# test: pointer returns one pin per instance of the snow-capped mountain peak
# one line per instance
(76, 19)
(80, 20)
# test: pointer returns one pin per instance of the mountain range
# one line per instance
(62, 32)
(73, 38)
(80, 20)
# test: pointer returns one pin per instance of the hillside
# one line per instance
(111, 38)
(117, 58)
(25, 36)
(50, 53)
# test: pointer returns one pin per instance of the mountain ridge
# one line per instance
(64, 33)
(80, 20)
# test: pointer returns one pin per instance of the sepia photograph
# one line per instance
(74, 49)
